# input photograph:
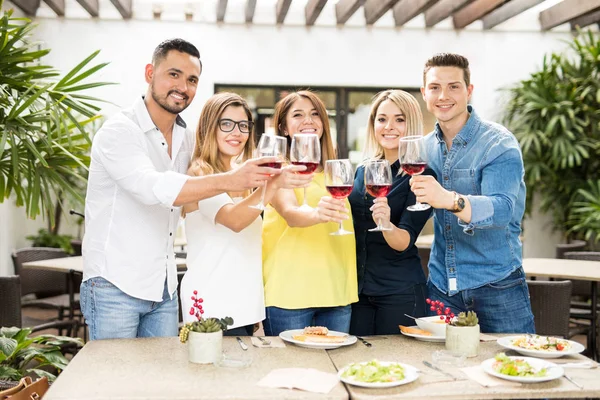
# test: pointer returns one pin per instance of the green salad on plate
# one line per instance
(374, 372)
(516, 367)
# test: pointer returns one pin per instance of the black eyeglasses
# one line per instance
(227, 125)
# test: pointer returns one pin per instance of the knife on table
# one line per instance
(430, 365)
(242, 344)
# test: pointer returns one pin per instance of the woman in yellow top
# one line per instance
(309, 275)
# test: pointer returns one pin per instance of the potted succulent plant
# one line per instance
(462, 332)
(204, 336)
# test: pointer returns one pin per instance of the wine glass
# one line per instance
(306, 151)
(339, 179)
(413, 159)
(270, 146)
(378, 181)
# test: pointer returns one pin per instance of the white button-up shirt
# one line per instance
(130, 221)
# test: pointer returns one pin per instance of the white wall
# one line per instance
(290, 55)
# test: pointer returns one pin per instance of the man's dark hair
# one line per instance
(449, 60)
(181, 45)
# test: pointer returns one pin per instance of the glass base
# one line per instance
(341, 232)
(259, 206)
(305, 208)
(418, 207)
(380, 229)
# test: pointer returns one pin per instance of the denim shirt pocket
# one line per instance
(463, 181)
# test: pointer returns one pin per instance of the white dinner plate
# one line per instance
(553, 371)
(410, 374)
(288, 337)
(506, 342)
(424, 338)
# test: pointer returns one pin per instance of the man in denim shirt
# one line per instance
(479, 200)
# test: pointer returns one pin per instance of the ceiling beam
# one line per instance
(344, 9)
(29, 7)
(250, 8)
(124, 7)
(585, 20)
(507, 11)
(91, 6)
(405, 10)
(566, 11)
(58, 6)
(442, 10)
(473, 12)
(312, 10)
(281, 10)
(374, 9)
(221, 9)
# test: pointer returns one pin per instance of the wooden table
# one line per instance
(158, 368)
(570, 269)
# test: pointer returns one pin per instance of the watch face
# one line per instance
(461, 203)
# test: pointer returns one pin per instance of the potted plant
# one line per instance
(204, 336)
(462, 331)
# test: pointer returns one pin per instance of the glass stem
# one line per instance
(341, 227)
(304, 202)
(262, 195)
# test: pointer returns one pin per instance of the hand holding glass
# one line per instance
(270, 146)
(339, 179)
(306, 151)
(413, 159)
(378, 182)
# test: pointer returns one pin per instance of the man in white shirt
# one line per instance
(137, 183)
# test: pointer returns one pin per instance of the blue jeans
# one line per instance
(112, 314)
(282, 319)
(502, 307)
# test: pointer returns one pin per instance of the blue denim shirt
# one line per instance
(484, 164)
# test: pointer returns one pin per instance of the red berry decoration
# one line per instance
(440, 309)
(195, 292)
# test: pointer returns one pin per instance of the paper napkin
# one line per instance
(487, 338)
(308, 379)
(478, 375)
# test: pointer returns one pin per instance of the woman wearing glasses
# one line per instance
(391, 281)
(223, 232)
(309, 275)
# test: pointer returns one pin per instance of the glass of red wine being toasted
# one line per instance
(378, 181)
(339, 179)
(413, 160)
(270, 146)
(306, 151)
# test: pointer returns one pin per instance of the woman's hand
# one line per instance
(381, 211)
(291, 179)
(331, 210)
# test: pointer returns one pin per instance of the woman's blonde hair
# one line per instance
(407, 104)
(282, 108)
(206, 160)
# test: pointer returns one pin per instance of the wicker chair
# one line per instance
(550, 303)
(575, 245)
(10, 306)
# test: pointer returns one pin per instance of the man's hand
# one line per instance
(427, 190)
(381, 211)
(291, 179)
(250, 174)
(331, 210)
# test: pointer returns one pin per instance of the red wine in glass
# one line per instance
(276, 165)
(414, 168)
(340, 192)
(379, 190)
(310, 166)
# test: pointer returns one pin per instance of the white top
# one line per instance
(130, 221)
(225, 267)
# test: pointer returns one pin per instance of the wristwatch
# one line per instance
(459, 203)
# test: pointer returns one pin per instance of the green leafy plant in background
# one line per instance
(555, 115)
(22, 355)
(44, 123)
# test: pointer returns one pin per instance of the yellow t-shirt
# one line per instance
(308, 267)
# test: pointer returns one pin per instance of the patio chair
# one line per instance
(575, 245)
(550, 303)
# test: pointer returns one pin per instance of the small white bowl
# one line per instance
(433, 324)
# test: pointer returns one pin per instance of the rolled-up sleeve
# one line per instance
(122, 152)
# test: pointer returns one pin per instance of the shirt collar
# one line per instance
(144, 119)
(466, 133)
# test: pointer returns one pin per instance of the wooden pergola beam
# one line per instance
(442, 10)
(313, 10)
(585, 20)
(281, 10)
(124, 7)
(405, 10)
(29, 7)
(474, 11)
(91, 6)
(58, 6)
(221, 9)
(344, 9)
(374, 9)
(566, 11)
(250, 8)
(507, 11)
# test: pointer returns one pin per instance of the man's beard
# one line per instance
(173, 109)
